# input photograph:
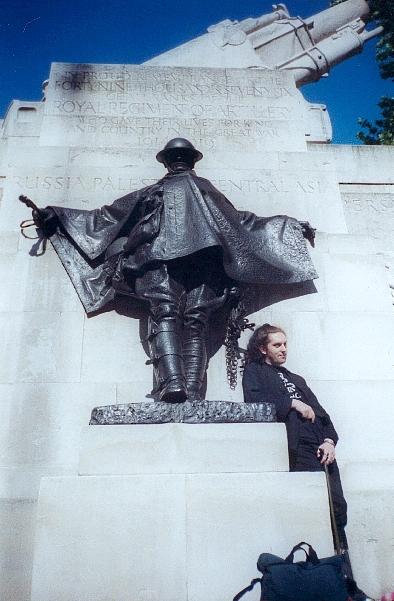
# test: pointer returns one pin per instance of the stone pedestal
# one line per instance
(94, 139)
(179, 512)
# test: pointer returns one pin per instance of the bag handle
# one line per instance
(249, 588)
(311, 554)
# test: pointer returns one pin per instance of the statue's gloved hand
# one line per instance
(308, 232)
(45, 219)
(234, 294)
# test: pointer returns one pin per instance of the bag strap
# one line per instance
(311, 554)
(249, 588)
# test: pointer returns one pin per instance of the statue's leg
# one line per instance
(195, 357)
(201, 302)
(165, 332)
(165, 348)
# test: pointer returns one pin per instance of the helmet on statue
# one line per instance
(178, 144)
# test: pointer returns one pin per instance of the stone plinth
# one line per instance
(141, 107)
(190, 412)
(170, 537)
(369, 489)
(183, 448)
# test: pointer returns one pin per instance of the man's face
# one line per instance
(275, 351)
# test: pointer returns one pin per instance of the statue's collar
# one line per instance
(180, 174)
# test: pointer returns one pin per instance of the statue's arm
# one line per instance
(92, 231)
(254, 222)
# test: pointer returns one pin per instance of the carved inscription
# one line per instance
(272, 183)
(372, 215)
(144, 106)
(171, 83)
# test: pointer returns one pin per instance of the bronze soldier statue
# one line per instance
(180, 246)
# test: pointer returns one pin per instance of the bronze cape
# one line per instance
(180, 215)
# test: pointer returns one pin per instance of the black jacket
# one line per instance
(261, 382)
(178, 216)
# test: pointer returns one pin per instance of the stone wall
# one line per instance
(94, 139)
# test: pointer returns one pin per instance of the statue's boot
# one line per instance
(165, 347)
(195, 361)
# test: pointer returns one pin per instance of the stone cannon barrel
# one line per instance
(327, 22)
(310, 47)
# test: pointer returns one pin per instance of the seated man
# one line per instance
(311, 435)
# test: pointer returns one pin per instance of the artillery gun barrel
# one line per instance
(251, 25)
(310, 65)
(326, 23)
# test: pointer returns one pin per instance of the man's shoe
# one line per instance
(173, 391)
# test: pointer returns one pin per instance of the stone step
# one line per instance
(170, 537)
(183, 449)
(369, 491)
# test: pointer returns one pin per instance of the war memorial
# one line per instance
(108, 494)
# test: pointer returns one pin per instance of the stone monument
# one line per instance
(166, 511)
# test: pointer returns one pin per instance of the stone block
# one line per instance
(262, 512)
(36, 284)
(17, 523)
(369, 211)
(369, 491)
(216, 108)
(326, 346)
(112, 351)
(347, 244)
(287, 190)
(359, 164)
(153, 537)
(40, 347)
(23, 482)
(23, 119)
(9, 242)
(128, 532)
(183, 448)
(210, 51)
(42, 423)
(355, 283)
(362, 414)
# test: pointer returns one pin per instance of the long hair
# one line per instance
(260, 338)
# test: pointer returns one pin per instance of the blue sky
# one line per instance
(34, 34)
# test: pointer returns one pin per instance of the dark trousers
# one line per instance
(306, 460)
(188, 288)
(182, 295)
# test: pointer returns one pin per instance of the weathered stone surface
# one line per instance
(112, 351)
(191, 412)
(315, 349)
(267, 183)
(369, 488)
(17, 523)
(340, 335)
(183, 448)
(307, 47)
(358, 164)
(153, 536)
(35, 284)
(216, 108)
(360, 410)
(40, 346)
(369, 211)
(47, 420)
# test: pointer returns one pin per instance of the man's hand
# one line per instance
(308, 232)
(305, 410)
(326, 453)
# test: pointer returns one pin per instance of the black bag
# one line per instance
(311, 580)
